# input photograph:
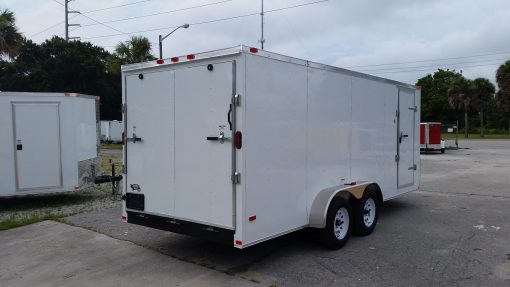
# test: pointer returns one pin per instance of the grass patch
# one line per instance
(17, 222)
(106, 164)
(451, 136)
(111, 146)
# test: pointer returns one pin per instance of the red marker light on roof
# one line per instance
(160, 61)
(254, 50)
(190, 57)
(174, 59)
(239, 242)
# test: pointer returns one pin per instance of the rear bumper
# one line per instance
(203, 231)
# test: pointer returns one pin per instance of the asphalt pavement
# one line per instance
(455, 231)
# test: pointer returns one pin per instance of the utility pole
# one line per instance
(67, 12)
(262, 26)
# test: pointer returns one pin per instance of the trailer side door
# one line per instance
(406, 131)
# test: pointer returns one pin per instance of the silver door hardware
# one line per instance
(412, 167)
(134, 139)
(414, 108)
(221, 138)
(236, 100)
(402, 135)
(397, 157)
(236, 178)
(135, 187)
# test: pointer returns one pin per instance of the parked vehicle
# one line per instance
(242, 145)
(111, 131)
(430, 137)
(48, 142)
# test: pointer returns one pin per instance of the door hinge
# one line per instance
(236, 100)
(123, 169)
(414, 108)
(124, 108)
(412, 167)
(397, 157)
(236, 178)
(397, 113)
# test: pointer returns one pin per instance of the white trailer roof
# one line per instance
(263, 53)
(36, 94)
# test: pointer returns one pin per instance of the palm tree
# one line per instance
(135, 50)
(503, 103)
(503, 77)
(482, 91)
(10, 38)
(459, 98)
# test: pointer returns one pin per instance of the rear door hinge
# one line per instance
(414, 108)
(397, 113)
(236, 178)
(236, 100)
(124, 108)
(397, 157)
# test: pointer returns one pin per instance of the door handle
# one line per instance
(221, 138)
(402, 135)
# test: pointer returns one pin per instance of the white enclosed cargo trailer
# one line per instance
(111, 131)
(241, 145)
(48, 142)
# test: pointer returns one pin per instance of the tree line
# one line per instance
(60, 66)
(447, 96)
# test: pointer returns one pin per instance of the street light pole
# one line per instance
(161, 38)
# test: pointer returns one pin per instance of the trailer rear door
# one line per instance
(179, 147)
(406, 137)
(37, 145)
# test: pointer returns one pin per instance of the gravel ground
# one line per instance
(64, 204)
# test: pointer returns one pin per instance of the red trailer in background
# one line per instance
(430, 137)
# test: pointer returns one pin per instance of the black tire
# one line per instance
(442, 150)
(360, 224)
(327, 234)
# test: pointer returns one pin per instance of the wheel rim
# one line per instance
(369, 210)
(341, 223)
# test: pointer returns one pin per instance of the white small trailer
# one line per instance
(111, 131)
(48, 142)
(242, 145)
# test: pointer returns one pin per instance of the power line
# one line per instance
(419, 70)
(434, 65)
(210, 21)
(86, 12)
(160, 13)
(114, 7)
(431, 60)
(90, 18)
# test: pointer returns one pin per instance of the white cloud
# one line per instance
(338, 32)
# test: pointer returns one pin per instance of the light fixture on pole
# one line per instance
(161, 38)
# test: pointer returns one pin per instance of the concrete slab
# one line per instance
(55, 254)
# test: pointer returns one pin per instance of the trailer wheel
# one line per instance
(442, 150)
(366, 213)
(338, 224)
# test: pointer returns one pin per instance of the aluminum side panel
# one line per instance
(274, 147)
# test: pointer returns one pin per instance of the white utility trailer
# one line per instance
(48, 142)
(242, 145)
(111, 131)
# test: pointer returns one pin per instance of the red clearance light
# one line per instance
(350, 183)
(190, 57)
(238, 140)
(239, 242)
(254, 50)
(160, 61)
(174, 59)
(252, 218)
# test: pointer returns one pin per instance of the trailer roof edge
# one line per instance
(263, 53)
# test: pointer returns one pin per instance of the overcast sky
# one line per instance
(468, 35)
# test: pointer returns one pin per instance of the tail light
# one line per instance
(238, 140)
